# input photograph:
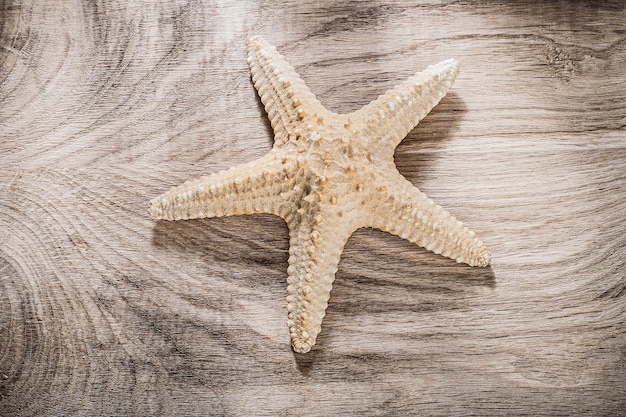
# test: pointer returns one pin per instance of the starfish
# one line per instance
(327, 175)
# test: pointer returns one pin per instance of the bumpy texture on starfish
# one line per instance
(327, 175)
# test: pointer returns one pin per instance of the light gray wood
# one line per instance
(103, 311)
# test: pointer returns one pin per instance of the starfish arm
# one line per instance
(261, 186)
(315, 247)
(399, 110)
(287, 99)
(403, 210)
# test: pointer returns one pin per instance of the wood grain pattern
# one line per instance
(106, 104)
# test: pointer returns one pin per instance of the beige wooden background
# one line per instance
(105, 312)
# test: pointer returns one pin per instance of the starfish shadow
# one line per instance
(380, 275)
(250, 242)
(305, 362)
(414, 153)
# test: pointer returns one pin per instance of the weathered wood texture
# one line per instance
(106, 104)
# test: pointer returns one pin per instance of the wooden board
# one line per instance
(105, 312)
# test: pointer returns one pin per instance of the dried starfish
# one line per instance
(327, 175)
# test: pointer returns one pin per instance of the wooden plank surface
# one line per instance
(104, 312)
